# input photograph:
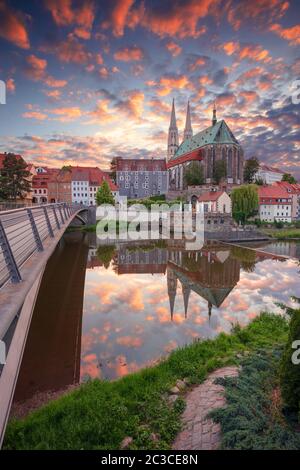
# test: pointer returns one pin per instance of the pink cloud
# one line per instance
(128, 54)
(289, 34)
(12, 26)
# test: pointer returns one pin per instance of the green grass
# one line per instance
(283, 234)
(253, 418)
(99, 414)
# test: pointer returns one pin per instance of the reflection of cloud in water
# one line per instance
(218, 293)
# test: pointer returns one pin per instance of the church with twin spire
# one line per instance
(216, 142)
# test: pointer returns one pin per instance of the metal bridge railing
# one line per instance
(23, 231)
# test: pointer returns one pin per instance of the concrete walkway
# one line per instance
(200, 432)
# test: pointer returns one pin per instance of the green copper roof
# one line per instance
(217, 134)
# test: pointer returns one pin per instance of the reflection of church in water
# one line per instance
(211, 273)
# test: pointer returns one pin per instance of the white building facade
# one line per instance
(275, 205)
(268, 174)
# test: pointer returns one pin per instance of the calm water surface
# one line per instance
(106, 311)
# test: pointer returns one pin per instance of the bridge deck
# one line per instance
(28, 237)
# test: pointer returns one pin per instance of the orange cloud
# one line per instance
(205, 80)
(230, 47)
(70, 50)
(261, 12)
(129, 341)
(128, 54)
(173, 48)
(255, 53)
(67, 114)
(63, 14)
(132, 105)
(12, 26)
(36, 67)
(10, 85)
(249, 96)
(54, 94)
(252, 52)
(289, 34)
(181, 20)
(54, 83)
(167, 84)
(196, 64)
(35, 115)
(119, 16)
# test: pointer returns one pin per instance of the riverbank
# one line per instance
(100, 414)
(283, 234)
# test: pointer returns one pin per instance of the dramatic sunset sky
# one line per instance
(88, 80)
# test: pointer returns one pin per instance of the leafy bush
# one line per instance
(289, 372)
(251, 420)
(158, 197)
(278, 224)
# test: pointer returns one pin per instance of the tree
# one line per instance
(289, 367)
(244, 202)
(219, 171)
(14, 177)
(113, 169)
(193, 175)
(104, 194)
(289, 178)
(250, 169)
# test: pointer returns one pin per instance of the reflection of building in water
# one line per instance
(51, 360)
(140, 261)
(212, 274)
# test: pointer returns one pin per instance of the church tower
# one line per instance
(188, 131)
(173, 135)
(214, 119)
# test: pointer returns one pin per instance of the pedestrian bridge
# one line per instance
(28, 237)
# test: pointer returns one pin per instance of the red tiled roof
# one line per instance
(288, 187)
(272, 192)
(210, 196)
(137, 164)
(94, 175)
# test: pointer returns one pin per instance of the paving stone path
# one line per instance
(200, 432)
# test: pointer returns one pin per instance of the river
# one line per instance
(106, 311)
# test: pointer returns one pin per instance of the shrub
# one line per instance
(289, 372)
(278, 224)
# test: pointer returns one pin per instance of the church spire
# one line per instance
(214, 119)
(188, 131)
(186, 290)
(173, 134)
(172, 288)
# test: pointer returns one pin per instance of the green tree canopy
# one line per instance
(219, 171)
(104, 194)
(113, 168)
(14, 178)
(244, 202)
(251, 167)
(193, 175)
(289, 178)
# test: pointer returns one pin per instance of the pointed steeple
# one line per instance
(209, 311)
(173, 141)
(188, 131)
(172, 288)
(173, 124)
(186, 290)
(214, 119)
